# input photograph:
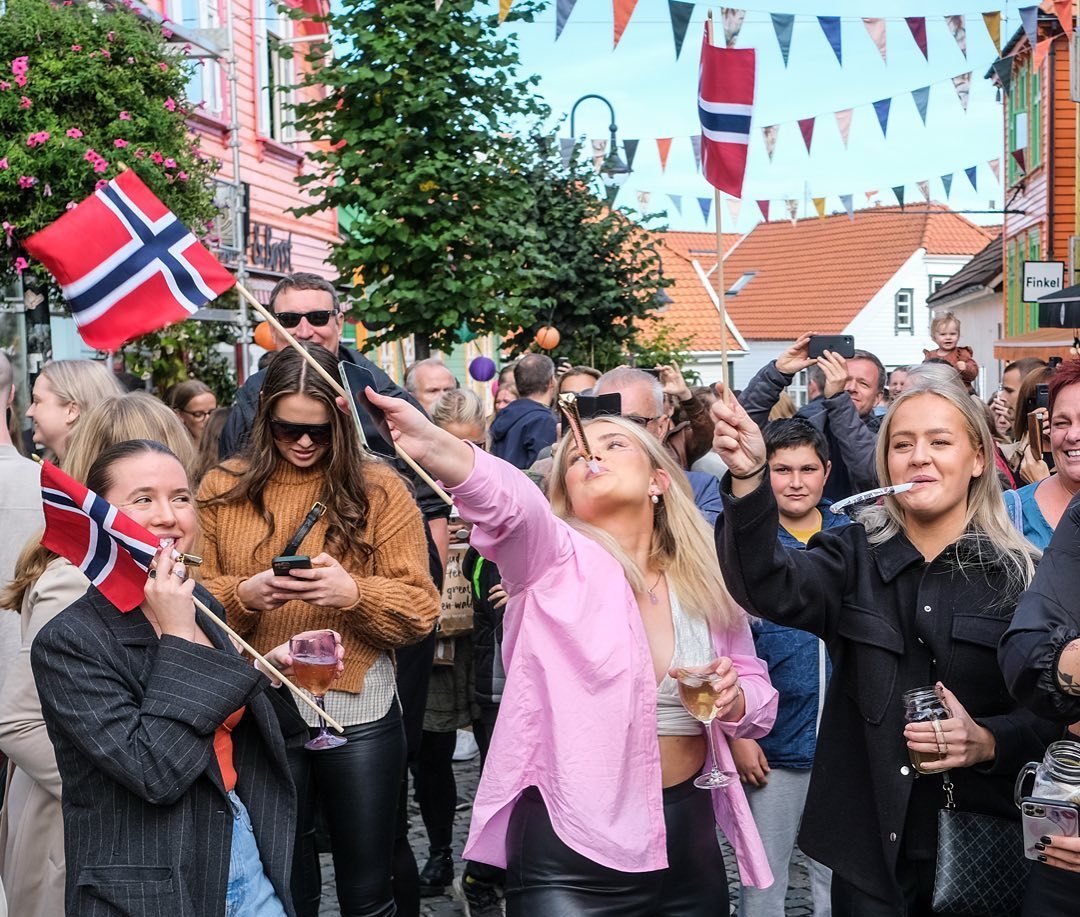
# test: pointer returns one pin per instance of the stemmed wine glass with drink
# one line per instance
(314, 665)
(699, 687)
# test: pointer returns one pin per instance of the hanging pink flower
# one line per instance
(140, 153)
(9, 231)
(20, 79)
(119, 143)
(20, 65)
(74, 133)
(90, 155)
(27, 181)
(101, 184)
(21, 264)
(106, 54)
(76, 47)
(37, 139)
(170, 163)
(125, 116)
(162, 66)
(4, 84)
(170, 105)
(111, 36)
(4, 163)
(183, 176)
(131, 60)
(157, 157)
(25, 102)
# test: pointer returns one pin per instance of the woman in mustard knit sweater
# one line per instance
(368, 580)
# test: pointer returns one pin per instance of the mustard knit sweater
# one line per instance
(398, 602)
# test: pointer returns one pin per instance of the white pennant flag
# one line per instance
(599, 153)
(962, 84)
(643, 198)
(770, 134)
(793, 209)
(924, 188)
(734, 206)
(843, 122)
(733, 22)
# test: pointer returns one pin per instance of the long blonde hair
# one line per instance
(84, 382)
(988, 530)
(682, 546)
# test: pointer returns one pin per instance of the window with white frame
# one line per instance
(937, 281)
(275, 74)
(204, 84)
(797, 388)
(904, 302)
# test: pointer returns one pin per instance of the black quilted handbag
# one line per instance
(981, 868)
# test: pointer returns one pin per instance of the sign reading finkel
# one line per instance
(1042, 277)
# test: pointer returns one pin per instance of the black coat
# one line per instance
(892, 622)
(147, 824)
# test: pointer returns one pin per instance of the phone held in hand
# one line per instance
(283, 563)
(841, 344)
(357, 380)
(1042, 817)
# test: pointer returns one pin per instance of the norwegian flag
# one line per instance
(111, 548)
(725, 104)
(126, 264)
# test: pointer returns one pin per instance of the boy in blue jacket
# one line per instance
(776, 769)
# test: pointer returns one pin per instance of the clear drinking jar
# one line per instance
(1057, 776)
(920, 706)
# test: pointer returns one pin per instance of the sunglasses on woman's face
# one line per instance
(284, 432)
(320, 318)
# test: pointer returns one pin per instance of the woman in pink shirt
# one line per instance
(587, 798)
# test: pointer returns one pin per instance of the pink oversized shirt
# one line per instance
(578, 713)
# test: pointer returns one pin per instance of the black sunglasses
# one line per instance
(320, 318)
(639, 420)
(284, 432)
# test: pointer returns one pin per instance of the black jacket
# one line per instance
(520, 430)
(487, 632)
(1047, 618)
(892, 622)
(147, 824)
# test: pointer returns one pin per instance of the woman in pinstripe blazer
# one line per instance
(167, 813)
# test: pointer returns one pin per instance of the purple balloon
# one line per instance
(482, 369)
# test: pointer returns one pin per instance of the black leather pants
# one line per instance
(545, 878)
(357, 786)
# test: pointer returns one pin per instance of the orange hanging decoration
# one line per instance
(548, 337)
(264, 337)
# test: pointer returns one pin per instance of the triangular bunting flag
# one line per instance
(962, 84)
(1002, 68)
(734, 208)
(770, 133)
(733, 20)
(504, 9)
(898, 190)
(599, 153)
(680, 18)
(566, 150)
(830, 25)
(849, 205)
(695, 143)
(819, 206)
(806, 126)
(995, 167)
(676, 199)
(843, 124)
(881, 106)
(562, 13)
(783, 23)
(917, 24)
(924, 190)
(705, 203)
(630, 148)
(624, 9)
(1021, 160)
(993, 27)
(643, 198)
(922, 98)
(610, 193)
(1040, 52)
(793, 210)
(946, 183)
(1029, 19)
(663, 146)
(870, 194)
(972, 174)
(763, 206)
(876, 28)
(1063, 9)
(958, 31)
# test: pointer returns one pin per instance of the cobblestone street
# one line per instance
(467, 772)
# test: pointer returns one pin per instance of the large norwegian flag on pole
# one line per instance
(111, 548)
(725, 104)
(126, 264)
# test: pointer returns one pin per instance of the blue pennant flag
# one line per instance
(922, 98)
(783, 25)
(970, 173)
(830, 25)
(705, 203)
(882, 108)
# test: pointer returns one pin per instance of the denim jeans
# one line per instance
(250, 893)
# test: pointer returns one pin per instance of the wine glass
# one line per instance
(698, 689)
(314, 666)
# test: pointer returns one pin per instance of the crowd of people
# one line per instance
(644, 536)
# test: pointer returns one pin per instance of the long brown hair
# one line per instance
(345, 484)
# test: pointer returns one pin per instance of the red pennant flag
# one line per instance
(725, 106)
(1021, 160)
(763, 206)
(126, 265)
(1039, 54)
(112, 549)
(663, 146)
(806, 125)
(1063, 9)
(917, 24)
(624, 9)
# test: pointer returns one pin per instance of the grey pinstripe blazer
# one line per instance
(147, 825)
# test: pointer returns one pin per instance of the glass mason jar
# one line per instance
(920, 706)
(1057, 776)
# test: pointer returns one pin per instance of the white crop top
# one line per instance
(693, 646)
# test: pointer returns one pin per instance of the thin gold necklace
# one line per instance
(652, 591)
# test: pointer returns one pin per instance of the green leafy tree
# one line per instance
(419, 117)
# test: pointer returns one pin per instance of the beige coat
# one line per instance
(31, 826)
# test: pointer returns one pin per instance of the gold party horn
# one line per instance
(568, 405)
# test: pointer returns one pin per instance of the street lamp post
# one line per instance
(614, 168)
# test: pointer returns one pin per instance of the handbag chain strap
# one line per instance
(950, 803)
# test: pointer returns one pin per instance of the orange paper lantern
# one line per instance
(547, 337)
(264, 337)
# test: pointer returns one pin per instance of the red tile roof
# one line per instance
(820, 270)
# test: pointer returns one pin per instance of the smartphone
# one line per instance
(655, 373)
(1047, 816)
(841, 344)
(609, 405)
(356, 380)
(283, 563)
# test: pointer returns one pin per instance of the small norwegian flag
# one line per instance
(725, 104)
(112, 549)
(126, 264)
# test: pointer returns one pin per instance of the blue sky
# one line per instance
(655, 96)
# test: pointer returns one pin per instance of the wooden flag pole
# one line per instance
(295, 344)
(718, 274)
